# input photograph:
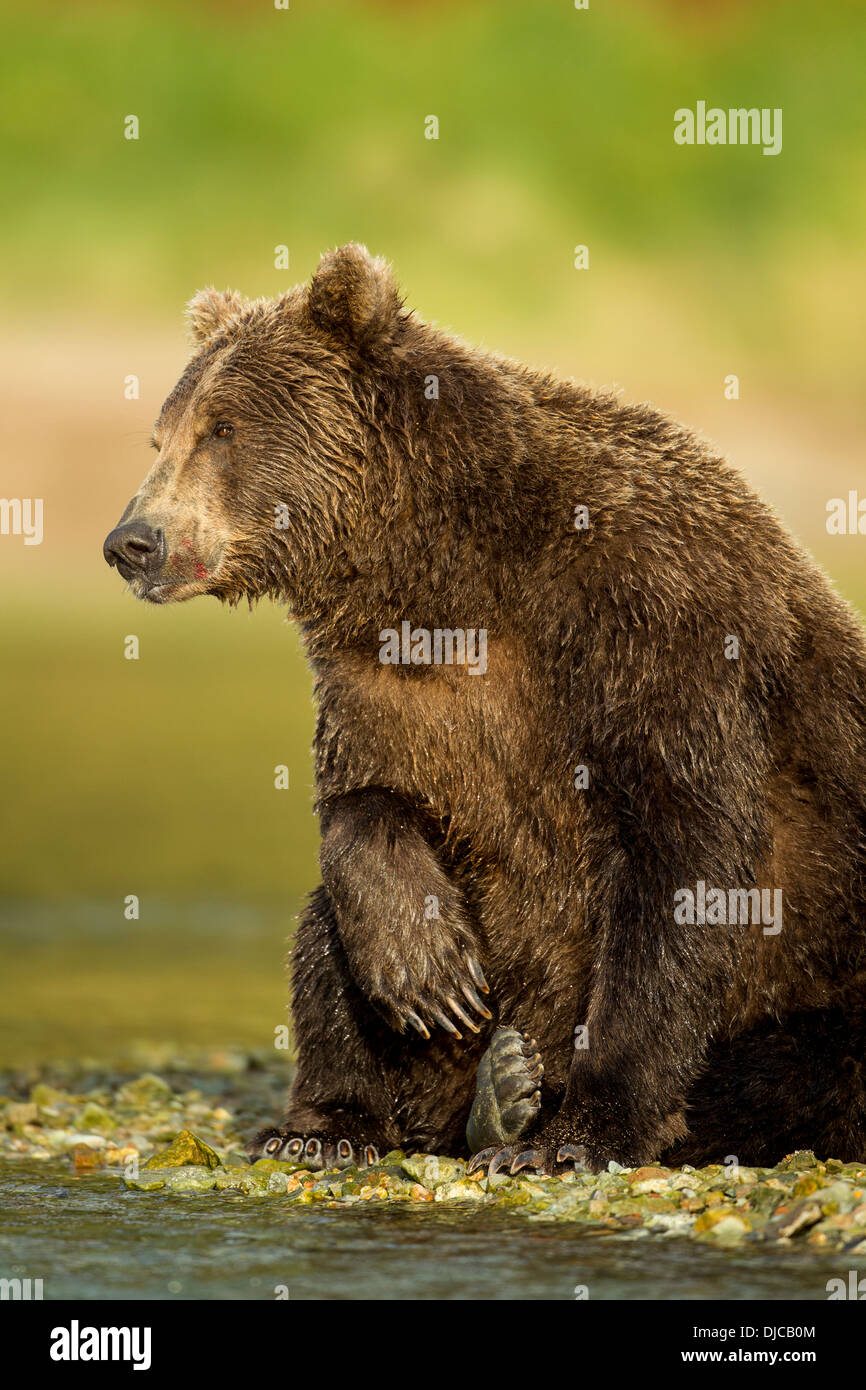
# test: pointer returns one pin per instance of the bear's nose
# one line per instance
(135, 546)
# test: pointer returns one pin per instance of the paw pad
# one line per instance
(508, 1091)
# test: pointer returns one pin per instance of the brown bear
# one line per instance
(590, 752)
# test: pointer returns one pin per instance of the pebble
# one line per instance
(178, 1125)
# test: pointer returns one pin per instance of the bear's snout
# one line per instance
(135, 548)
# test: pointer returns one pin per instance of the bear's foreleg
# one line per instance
(410, 945)
(660, 817)
(665, 813)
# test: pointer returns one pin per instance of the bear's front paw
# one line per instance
(438, 999)
(315, 1152)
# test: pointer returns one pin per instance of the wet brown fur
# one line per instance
(607, 649)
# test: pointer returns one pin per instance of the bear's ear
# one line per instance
(353, 298)
(210, 310)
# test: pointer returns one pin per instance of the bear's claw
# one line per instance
(507, 1092)
(316, 1153)
(514, 1158)
(440, 1011)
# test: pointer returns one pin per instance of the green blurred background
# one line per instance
(305, 128)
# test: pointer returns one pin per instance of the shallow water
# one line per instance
(89, 1238)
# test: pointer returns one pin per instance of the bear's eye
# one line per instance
(223, 429)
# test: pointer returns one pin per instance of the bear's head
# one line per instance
(261, 445)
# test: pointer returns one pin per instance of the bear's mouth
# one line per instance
(158, 588)
(156, 570)
(168, 590)
(158, 593)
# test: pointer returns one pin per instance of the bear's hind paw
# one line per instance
(315, 1152)
(508, 1091)
(514, 1158)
